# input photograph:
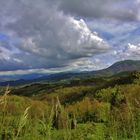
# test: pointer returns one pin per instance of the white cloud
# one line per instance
(133, 49)
(72, 39)
(130, 52)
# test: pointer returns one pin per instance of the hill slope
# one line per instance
(121, 66)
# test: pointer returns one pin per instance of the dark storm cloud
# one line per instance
(116, 9)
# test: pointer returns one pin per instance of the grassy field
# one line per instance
(109, 110)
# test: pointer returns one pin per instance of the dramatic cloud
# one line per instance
(44, 37)
(123, 10)
(65, 35)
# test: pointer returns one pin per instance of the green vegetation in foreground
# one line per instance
(106, 111)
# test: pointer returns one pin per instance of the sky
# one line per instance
(48, 36)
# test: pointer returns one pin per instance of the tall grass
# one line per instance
(22, 122)
(60, 125)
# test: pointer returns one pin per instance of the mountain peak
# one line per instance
(126, 65)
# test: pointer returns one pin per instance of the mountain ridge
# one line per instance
(118, 67)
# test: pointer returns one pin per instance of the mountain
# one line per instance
(116, 68)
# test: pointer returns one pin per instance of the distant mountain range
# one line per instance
(118, 67)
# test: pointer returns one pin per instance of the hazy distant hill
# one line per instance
(118, 67)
